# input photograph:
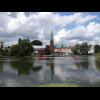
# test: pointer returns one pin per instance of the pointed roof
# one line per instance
(52, 35)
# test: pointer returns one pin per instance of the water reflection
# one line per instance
(98, 66)
(1, 65)
(38, 70)
(22, 67)
(84, 64)
(52, 71)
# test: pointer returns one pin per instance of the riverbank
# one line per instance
(46, 56)
(98, 57)
(59, 85)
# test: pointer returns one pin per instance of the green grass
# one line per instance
(98, 57)
(59, 85)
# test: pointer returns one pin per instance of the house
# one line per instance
(38, 49)
(63, 50)
(91, 49)
(1, 44)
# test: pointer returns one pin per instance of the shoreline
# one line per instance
(45, 56)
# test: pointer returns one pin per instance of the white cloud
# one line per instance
(39, 25)
(84, 19)
(79, 34)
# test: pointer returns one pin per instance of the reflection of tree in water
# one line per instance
(1, 65)
(22, 66)
(84, 64)
(36, 68)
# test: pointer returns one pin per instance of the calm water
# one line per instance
(30, 72)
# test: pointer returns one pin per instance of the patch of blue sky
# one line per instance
(64, 13)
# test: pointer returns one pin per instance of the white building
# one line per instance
(39, 48)
(1, 44)
(91, 49)
(63, 50)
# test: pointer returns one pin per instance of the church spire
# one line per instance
(52, 43)
(51, 35)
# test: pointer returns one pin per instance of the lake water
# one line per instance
(30, 72)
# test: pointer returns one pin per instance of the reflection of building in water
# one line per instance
(52, 71)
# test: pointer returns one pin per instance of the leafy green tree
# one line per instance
(76, 49)
(14, 50)
(23, 48)
(84, 48)
(47, 50)
(97, 48)
(80, 49)
(36, 42)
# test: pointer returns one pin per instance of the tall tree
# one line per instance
(81, 48)
(23, 48)
(47, 50)
(97, 48)
(84, 48)
(36, 42)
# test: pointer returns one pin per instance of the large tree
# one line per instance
(36, 42)
(97, 48)
(76, 49)
(80, 49)
(84, 48)
(23, 48)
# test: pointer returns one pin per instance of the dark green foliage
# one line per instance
(47, 50)
(23, 48)
(80, 49)
(36, 42)
(97, 48)
(76, 49)
(84, 48)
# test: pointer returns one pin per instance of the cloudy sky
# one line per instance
(69, 27)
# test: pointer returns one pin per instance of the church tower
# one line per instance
(52, 43)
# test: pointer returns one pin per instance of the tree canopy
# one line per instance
(23, 48)
(97, 48)
(36, 42)
(80, 49)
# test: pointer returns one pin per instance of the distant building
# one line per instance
(91, 49)
(63, 50)
(39, 49)
(1, 44)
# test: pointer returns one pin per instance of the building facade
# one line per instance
(91, 49)
(63, 50)
(38, 49)
(1, 44)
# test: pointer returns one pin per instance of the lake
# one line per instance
(34, 71)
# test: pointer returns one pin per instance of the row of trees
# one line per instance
(24, 48)
(84, 48)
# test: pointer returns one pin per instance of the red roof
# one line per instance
(64, 48)
(39, 48)
(90, 46)
(37, 45)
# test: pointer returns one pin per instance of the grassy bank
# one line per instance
(59, 85)
(98, 57)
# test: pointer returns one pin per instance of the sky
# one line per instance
(68, 27)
